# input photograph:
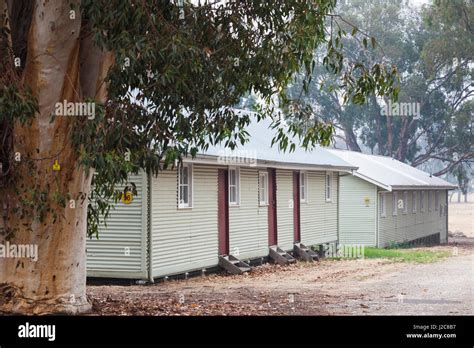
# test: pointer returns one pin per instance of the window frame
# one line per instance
(189, 184)
(263, 174)
(328, 175)
(405, 202)
(436, 200)
(394, 203)
(303, 186)
(430, 198)
(413, 198)
(422, 201)
(237, 186)
(383, 204)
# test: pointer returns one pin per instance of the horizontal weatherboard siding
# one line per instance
(284, 193)
(319, 218)
(248, 222)
(120, 251)
(410, 226)
(184, 239)
(357, 211)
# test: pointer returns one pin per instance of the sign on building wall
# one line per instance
(367, 201)
(127, 197)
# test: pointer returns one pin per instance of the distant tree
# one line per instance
(433, 54)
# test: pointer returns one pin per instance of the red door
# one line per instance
(272, 205)
(296, 207)
(223, 211)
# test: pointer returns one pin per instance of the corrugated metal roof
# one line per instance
(259, 147)
(390, 173)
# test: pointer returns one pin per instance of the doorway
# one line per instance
(223, 210)
(272, 208)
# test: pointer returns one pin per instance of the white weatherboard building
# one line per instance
(222, 208)
(388, 202)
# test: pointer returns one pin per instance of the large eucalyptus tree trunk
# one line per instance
(59, 65)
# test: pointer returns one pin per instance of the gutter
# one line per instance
(214, 160)
(425, 187)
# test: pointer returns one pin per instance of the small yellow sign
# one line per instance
(127, 197)
(56, 166)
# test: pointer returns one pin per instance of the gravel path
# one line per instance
(440, 288)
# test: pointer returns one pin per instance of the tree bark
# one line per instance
(389, 136)
(56, 282)
(378, 126)
(351, 139)
(403, 140)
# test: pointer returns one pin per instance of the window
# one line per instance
(303, 187)
(405, 202)
(422, 201)
(185, 182)
(328, 187)
(394, 203)
(429, 200)
(383, 209)
(441, 210)
(436, 200)
(263, 188)
(234, 179)
(414, 202)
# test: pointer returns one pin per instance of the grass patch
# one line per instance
(405, 255)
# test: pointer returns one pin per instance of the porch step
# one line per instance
(233, 265)
(304, 253)
(280, 256)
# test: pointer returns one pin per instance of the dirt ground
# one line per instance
(327, 287)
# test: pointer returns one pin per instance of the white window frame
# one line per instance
(405, 202)
(190, 185)
(436, 200)
(413, 197)
(237, 186)
(328, 198)
(263, 175)
(430, 198)
(383, 204)
(422, 201)
(394, 203)
(303, 187)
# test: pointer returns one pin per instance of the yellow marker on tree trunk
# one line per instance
(56, 166)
